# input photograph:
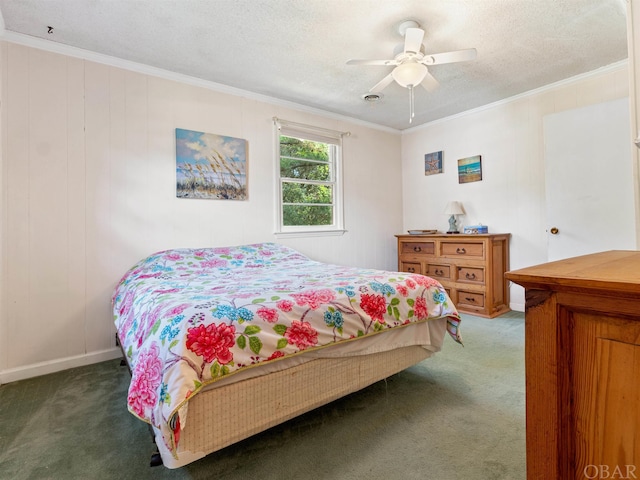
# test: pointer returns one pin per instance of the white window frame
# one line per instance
(315, 134)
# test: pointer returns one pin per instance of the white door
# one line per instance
(589, 184)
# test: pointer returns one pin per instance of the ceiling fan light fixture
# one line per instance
(411, 63)
(411, 73)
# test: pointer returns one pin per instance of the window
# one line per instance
(309, 197)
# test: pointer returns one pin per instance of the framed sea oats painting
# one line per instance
(210, 166)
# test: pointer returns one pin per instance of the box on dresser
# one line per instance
(470, 267)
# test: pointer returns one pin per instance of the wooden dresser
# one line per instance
(470, 267)
(582, 350)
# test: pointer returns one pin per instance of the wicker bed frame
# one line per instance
(308, 386)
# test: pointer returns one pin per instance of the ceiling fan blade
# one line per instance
(381, 84)
(450, 57)
(413, 40)
(372, 62)
(429, 82)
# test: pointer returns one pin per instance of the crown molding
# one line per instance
(567, 81)
(55, 47)
(62, 49)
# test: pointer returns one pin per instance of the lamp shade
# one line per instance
(409, 73)
(454, 208)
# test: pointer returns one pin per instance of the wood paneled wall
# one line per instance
(88, 189)
(509, 137)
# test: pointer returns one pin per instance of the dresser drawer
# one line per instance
(418, 248)
(439, 271)
(471, 274)
(462, 249)
(470, 299)
(410, 267)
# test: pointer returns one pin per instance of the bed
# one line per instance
(223, 343)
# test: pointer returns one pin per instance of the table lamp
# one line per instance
(453, 209)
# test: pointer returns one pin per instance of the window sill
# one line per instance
(310, 233)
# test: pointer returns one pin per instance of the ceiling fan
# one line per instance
(411, 63)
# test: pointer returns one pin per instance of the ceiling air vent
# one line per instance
(372, 97)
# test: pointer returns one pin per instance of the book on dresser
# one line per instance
(471, 268)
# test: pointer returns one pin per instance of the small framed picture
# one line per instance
(433, 163)
(470, 169)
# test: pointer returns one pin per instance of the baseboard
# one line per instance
(52, 366)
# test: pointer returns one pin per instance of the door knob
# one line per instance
(554, 231)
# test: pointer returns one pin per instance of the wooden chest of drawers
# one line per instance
(470, 267)
(582, 357)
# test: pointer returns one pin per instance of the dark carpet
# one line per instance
(458, 415)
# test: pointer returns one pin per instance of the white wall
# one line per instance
(88, 189)
(509, 136)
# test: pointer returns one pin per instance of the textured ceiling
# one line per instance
(296, 50)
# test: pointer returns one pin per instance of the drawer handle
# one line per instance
(417, 249)
(461, 251)
(470, 276)
(470, 299)
(411, 270)
(439, 272)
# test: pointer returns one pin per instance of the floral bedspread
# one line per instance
(188, 317)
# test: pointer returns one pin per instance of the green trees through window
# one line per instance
(307, 175)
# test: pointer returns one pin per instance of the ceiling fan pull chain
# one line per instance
(411, 112)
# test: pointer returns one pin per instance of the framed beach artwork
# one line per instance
(210, 166)
(433, 163)
(470, 169)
